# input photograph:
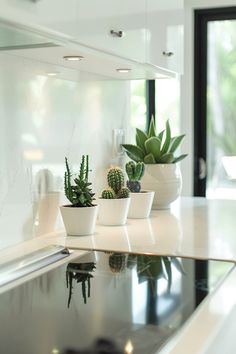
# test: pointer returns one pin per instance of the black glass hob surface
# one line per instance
(136, 301)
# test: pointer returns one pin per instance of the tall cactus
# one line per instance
(115, 179)
(135, 172)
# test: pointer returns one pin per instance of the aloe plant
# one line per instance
(153, 148)
(153, 268)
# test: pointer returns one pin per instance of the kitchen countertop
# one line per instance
(194, 227)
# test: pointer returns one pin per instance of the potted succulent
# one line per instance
(80, 216)
(141, 200)
(114, 202)
(162, 173)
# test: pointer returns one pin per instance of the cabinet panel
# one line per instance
(95, 24)
(60, 16)
(165, 25)
(88, 22)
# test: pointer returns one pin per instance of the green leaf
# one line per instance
(135, 151)
(133, 157)
(181, 157)
(166, 144)
(153, 146)
(141, 137)
(149, 159)
(175, 142)
(167, 158)
(160, 135)
(152, 128)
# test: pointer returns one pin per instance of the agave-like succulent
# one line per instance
(152, 148)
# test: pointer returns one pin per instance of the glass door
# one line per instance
(221, 109)
(215, 103)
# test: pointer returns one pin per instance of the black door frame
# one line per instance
(201, 19)
(150, 101)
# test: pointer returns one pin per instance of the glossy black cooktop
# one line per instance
(137, 301)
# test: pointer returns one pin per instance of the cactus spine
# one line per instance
(135, 172)
(116, 181)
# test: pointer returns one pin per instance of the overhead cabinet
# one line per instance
(146, 32)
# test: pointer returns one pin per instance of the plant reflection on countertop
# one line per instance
(152, 268)
(81, 273)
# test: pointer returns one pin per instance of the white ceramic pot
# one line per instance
(113, 212)
(165, 180)
(140, 204)
(79, 221)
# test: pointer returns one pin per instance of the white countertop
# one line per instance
(194, 227)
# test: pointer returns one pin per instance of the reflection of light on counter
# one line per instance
(129, 347)
(55, 351)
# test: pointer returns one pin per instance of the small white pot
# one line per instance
(140, 204)
(165, 180)
(79, 221)
(113, 212)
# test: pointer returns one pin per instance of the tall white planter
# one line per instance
(113, 212)
(165, 180)
(79, 221)
(140, 204)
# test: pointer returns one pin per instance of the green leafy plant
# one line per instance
(116, 182)
(135, 172)
(153, 148)
(80, 193)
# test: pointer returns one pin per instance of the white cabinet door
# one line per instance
(57, 15)
(126, 18)
(165, 37)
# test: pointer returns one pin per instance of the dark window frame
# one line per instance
(201, 19)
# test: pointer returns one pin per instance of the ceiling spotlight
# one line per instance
(73, 57)
(123, 70)
(53, 73)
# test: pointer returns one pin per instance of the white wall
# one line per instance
(187, 85)
(42, 120)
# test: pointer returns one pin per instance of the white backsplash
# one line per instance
(43, 120)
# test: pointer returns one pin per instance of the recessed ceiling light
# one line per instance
(55, 73)
(73, 57)
(123, 70)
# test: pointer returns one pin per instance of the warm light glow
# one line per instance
(33, 154)
(53, 73)
(129, 347)
(55, 351)
(73, 57)
(123, 70)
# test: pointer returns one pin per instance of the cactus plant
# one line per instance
(108, 194)
(123, 193)
(116, 181)
(135, 172)
(80, 193)
(117, 262)
(152, 148)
